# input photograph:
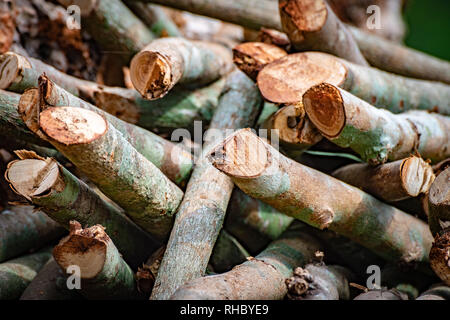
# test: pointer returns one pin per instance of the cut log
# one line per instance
(165, 62)
(104, 274)
(63, 197)
(375, 134)
(108, 160)
(394, 181)
(320, 200)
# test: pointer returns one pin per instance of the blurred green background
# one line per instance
(428, 24)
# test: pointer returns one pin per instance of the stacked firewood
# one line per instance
(216, 149)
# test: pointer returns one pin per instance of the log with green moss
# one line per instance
(287, 79)
(171, 159)
(100, 151)
(377, 135)
(178, 109)
(436, 292)
(50, 284)
(312, 25)
(392, 181)
(320, 200)
(262, 277)
(63, 197)
(11, 125)
(23, 229)
(104, 275)
(156, 19)
(317, 281)
(16, 274)
(19, 73)
(113, 26)
(163, 63)
(207, 194)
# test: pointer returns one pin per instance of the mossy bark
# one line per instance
(16, 274)
(68, 198)
(178, 109)
(375, 134)
(103, 272)
(320, 200)
(259, 278)
(171, 159)
(436, 292)
(201, 213)
(148, 197)
(227, 253)
(23, 230)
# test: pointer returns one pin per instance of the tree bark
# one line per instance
(288, 78)
(376, 135)
(227, 253)
(320, 200)
(259, 278)
(63, 197)
(108, 160)
(207, 194)
(166, 62)
(104, 274)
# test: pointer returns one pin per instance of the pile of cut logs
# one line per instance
(217, 149)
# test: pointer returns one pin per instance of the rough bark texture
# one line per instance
(252, 14)
(156, 19)
(320, 200)
(178, 109)
(64, 197)
(254, 223)
(318, 282)
(259, 278)
(170, 61)
(50, 284)
(251, 57)
(395, 58)
(104, 274)
(108, 160)
(171, 159)
(393, 181)
(312, 25)
(16, 274)
(11, 125)
(287, 79)
(113, 26)
(201, 213)
(22, 231)
(375, 134)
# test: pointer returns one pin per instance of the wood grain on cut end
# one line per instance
(150, 74)
(287, 79)
(274, 37)
(417, 176)
(85, 248)
(440, 257)
(325, 108)
(251, 57)
(306, 15)
(242, 154)
(69, 125)
(9, 70)
(439, 194)
(29, 109)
